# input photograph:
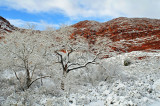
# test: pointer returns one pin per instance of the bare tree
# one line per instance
(65, 48)
(68, 66)
(24, 56)
(31, 26)
(23, 52)
(50, 28)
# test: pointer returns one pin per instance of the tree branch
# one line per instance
(37, 79)
(35, 66)
(73, 65)
(57, 62)
(32, 50)
(44, 54)
(61, 61)
(17, 55)
(85, 64)
(18, 79)
(79, 67)
(71, 50)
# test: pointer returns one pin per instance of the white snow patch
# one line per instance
(7, 74)
(156, 85)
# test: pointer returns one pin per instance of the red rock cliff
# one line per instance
(132, 33)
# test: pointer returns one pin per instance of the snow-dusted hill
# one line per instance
(124, 34)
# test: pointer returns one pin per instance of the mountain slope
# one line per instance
(124, 34)
(131, 33)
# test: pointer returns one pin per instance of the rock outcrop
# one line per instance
(5, 26)
(126, 34)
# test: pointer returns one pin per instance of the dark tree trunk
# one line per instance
(28, 78)
(63, 79)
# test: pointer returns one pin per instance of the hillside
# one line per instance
(124, 34)
(131, 33)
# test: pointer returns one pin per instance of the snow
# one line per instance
(97, 103)
(155, 104)
(8, 74)
(136, 84)
(156, 85)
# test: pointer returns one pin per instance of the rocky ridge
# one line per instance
(126, 34)
(5, 26)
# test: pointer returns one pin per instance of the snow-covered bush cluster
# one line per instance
(98, 83)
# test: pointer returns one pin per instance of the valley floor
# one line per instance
(135, 85)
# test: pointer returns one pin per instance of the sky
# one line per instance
(54, 13)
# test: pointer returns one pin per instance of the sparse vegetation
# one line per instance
(127, 62)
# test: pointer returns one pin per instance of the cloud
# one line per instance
(89, 8)
(42, 25)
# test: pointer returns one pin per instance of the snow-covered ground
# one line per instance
(135, 85)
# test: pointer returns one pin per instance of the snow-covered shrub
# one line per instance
(113, 70)
(127, 62)
(94, 74)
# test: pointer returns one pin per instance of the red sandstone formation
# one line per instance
(132, 33)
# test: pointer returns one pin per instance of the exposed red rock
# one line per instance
(142, 57)
(5, 26)
(132, 34)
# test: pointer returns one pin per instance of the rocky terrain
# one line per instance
(126, 34)
(5, 26)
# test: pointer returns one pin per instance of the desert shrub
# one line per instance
(127, 62)
(112, 70)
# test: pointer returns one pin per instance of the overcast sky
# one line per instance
(56, 12)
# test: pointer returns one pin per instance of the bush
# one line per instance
(127, 62)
